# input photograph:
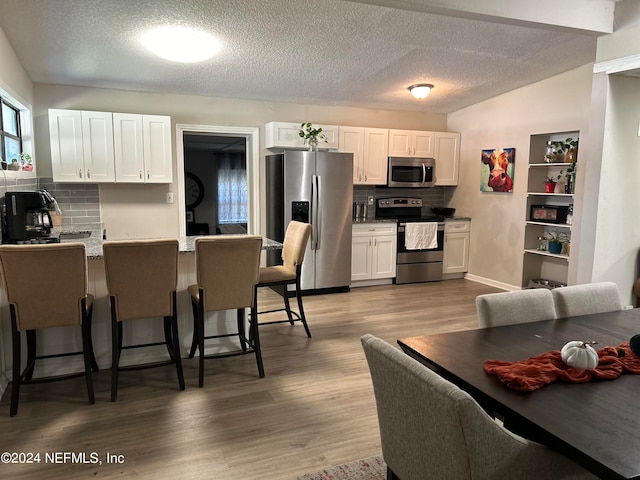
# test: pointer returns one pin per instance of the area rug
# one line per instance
(371, 468)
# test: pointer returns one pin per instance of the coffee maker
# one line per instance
(26, 218)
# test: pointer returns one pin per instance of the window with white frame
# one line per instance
(10, 136)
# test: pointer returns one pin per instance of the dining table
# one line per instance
(595, 423)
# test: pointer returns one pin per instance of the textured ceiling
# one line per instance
(305, 51)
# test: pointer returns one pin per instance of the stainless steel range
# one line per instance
(413, 264)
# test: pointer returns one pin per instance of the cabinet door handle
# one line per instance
(80, 173)
(140, 174)
(365, 178)
(88, 173)
(369, 242)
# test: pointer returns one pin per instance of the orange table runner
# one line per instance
(530, 374)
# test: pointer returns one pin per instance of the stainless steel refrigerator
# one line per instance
(315, 188)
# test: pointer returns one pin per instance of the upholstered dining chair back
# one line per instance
(295, 244)
(431, 429)
(586, 299)
(519, 306)
(45, 283)
(141, 276)
(227, 270)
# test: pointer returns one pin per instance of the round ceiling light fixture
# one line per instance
(420, 90)
(181, 44)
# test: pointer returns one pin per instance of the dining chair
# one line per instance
(142, 277)
(586, 299)
(431, 429)
(279, 277)
(519, 306)
(46, 287)
(227, 273)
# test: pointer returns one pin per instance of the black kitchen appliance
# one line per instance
(549, 213)
(26, 218)
(421, 265)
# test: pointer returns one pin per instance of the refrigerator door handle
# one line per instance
(315, 207)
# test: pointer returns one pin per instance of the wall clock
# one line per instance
(193, 190)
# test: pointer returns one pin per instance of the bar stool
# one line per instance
(142, 277)
(46, 287)
(227, 272)
(279, 277)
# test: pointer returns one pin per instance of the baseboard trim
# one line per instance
(491, 282)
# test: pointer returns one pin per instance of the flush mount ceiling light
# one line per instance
(420, 90)
(180, 44)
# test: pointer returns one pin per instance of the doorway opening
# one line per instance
(217, 179)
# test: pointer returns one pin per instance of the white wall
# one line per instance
(13, 78)
(558, 104)
(140, 210)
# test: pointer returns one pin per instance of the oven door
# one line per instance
(412, 256)
(411, 172)
(419, 265)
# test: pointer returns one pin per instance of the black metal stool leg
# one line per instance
(31, 354)
(241, 329)
(86, 354)
(303, 318)
(287, 305)
(194, 340)
(94, 363)
(168, 340)
(15, 379)
(200, 331)
(177, 358)
(253, 326)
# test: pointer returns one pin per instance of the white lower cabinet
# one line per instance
(456, 246)
(373, 255)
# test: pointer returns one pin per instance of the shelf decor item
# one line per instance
(549, 185)
(556, 239)
(311, 136)
(497, 170)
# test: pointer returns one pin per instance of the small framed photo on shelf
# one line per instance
(190, 216)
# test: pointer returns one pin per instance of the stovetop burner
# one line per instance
(404, 209)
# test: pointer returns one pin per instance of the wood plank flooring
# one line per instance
(315, 408)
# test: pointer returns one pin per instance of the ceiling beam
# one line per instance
(594, 17)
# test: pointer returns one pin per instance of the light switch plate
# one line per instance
(169, 197)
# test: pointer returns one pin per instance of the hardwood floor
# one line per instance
(314, 409)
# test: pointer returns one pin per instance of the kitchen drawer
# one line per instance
(457, 226)
(368, 229)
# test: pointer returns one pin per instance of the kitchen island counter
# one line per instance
(187, 245)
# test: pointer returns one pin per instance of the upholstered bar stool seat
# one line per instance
(227, 273)
(46, 287)
(279, 277)
(142, 277)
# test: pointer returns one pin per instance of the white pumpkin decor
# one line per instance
(579, 354)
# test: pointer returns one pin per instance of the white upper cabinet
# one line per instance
(370, 151)
(411, 143)
(142, 145)
(447, 156)
(283, 135)
(81, 146)
(99, 147)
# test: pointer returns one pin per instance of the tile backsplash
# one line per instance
(79, 202)
(431, 197)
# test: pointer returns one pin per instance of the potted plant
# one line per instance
(568, 176)
(555, 240)
(25, 161)
(550, 184)
(311, 135)
(571, 149)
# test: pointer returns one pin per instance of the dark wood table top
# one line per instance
(597, 424)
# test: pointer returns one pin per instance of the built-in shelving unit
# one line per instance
(538, 261)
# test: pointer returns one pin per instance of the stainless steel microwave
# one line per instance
(411, 172)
